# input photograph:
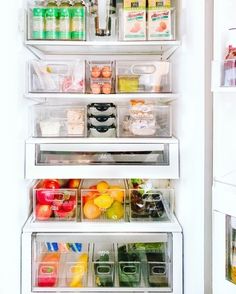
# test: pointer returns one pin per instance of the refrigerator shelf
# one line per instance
(84, 98)
(42, 48)
(102, 227)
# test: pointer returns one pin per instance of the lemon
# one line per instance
(103, 201)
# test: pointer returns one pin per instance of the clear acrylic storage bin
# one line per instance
(103, 264)
(103, 200)
(58, 121)
(56, 76)
(100, 77)
(150, 201)
(60, 263)
(56, 22)
(129, 266)
(76, 268)
(144, 120)
(143, 76)
(155, 261)
(102, 21)
(55, 200)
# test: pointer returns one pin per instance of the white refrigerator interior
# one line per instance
(191, 117)
(224, 171)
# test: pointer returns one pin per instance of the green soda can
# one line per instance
(64, 20)
(38, 23)
(51, 20)
(78, 21)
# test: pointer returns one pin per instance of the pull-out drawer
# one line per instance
(107, 262)
(87, 158)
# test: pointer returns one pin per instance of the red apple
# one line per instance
(74, 183)
(45, 196)
(64, 214)
(51, 184)
(68, 205)
(43, 212)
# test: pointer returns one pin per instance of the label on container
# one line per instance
(134, 3)
(135, 24)
(159, 3)
(159, 25)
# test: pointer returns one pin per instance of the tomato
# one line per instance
(45, 196)
(43, 212)
(51, 184)
(68, 205)
(64, 214)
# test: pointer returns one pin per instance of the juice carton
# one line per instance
(134, 20)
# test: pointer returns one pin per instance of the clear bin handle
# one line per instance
(138, 69)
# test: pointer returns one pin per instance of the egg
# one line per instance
(106, 88)
(96, 88)
(106, 72)
(96, 72)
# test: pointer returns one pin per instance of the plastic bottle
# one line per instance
(78, 21)
(38, 13)
(64, 20)
(51, 20)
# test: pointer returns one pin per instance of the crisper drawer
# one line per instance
(79, 159)
(108, 262)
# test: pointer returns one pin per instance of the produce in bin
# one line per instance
(129, 267)
(146, 201)
(104, 270)
(48, 270)
(78, 272)
(56, 199)
(103, 201)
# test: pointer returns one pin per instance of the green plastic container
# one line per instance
(78, 22)
(51, 21)
(38, 24)
(64, 30)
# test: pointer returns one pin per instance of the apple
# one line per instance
(74, 183)
(68, 205)
(51, 184)
(43, 212)
(45, 196)
(64, 214)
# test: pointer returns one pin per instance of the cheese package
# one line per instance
(159, 24)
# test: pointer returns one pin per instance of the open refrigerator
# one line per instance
(78, 84)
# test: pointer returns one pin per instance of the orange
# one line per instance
(102, 186)
(91, 211)
(117, 193)
(51, 257)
